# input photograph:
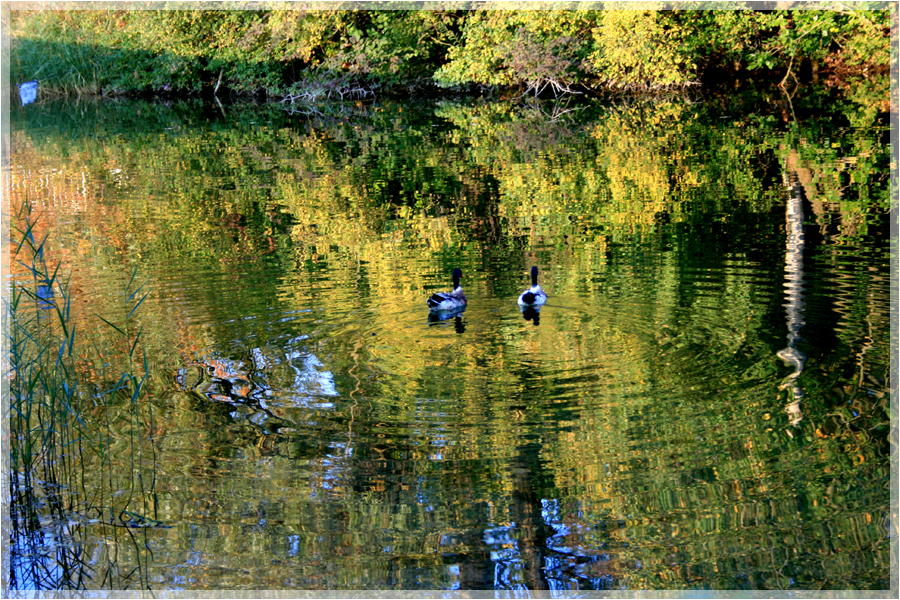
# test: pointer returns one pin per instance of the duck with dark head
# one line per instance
(532, 299)
(453, 301)
(533, 296)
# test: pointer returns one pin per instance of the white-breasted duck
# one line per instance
(533, 296)
(454, 300)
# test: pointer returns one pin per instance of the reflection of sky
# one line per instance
(454, 577)
(570, 562)
(297, 377)
(569, 536)
(439, 442)
(567, 565)
(294, 545)
(309, 380)
(260, 382)
(329, 472)
(508, 564)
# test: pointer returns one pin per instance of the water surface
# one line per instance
(702, 403)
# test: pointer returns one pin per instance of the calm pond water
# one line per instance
(703, 402)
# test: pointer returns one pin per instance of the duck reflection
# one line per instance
(531, 313)
(444, 315)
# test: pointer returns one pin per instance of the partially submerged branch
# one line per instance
(316, 90)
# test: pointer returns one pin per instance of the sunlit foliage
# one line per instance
(278, 52)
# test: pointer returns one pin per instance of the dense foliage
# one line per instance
(317, 53)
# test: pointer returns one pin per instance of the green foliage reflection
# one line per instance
(645, 406)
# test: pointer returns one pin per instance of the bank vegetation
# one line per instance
(329, 53)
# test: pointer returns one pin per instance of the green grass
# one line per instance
(49, 49)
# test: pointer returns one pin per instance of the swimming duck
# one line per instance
(534, 296)
(455, 300)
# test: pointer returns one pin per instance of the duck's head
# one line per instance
(457, 273)
(534, 274)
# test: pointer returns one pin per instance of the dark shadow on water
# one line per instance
(441, 316)
(531, 313)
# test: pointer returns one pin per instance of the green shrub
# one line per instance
(269, 51)
(520, 48)
(642, 49)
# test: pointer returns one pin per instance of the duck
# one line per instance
(534, 296)
(452, 301)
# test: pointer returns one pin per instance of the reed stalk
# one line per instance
(65, 489)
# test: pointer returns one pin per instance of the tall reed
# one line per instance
(66, 490)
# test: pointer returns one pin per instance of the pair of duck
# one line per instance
(534, 297)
